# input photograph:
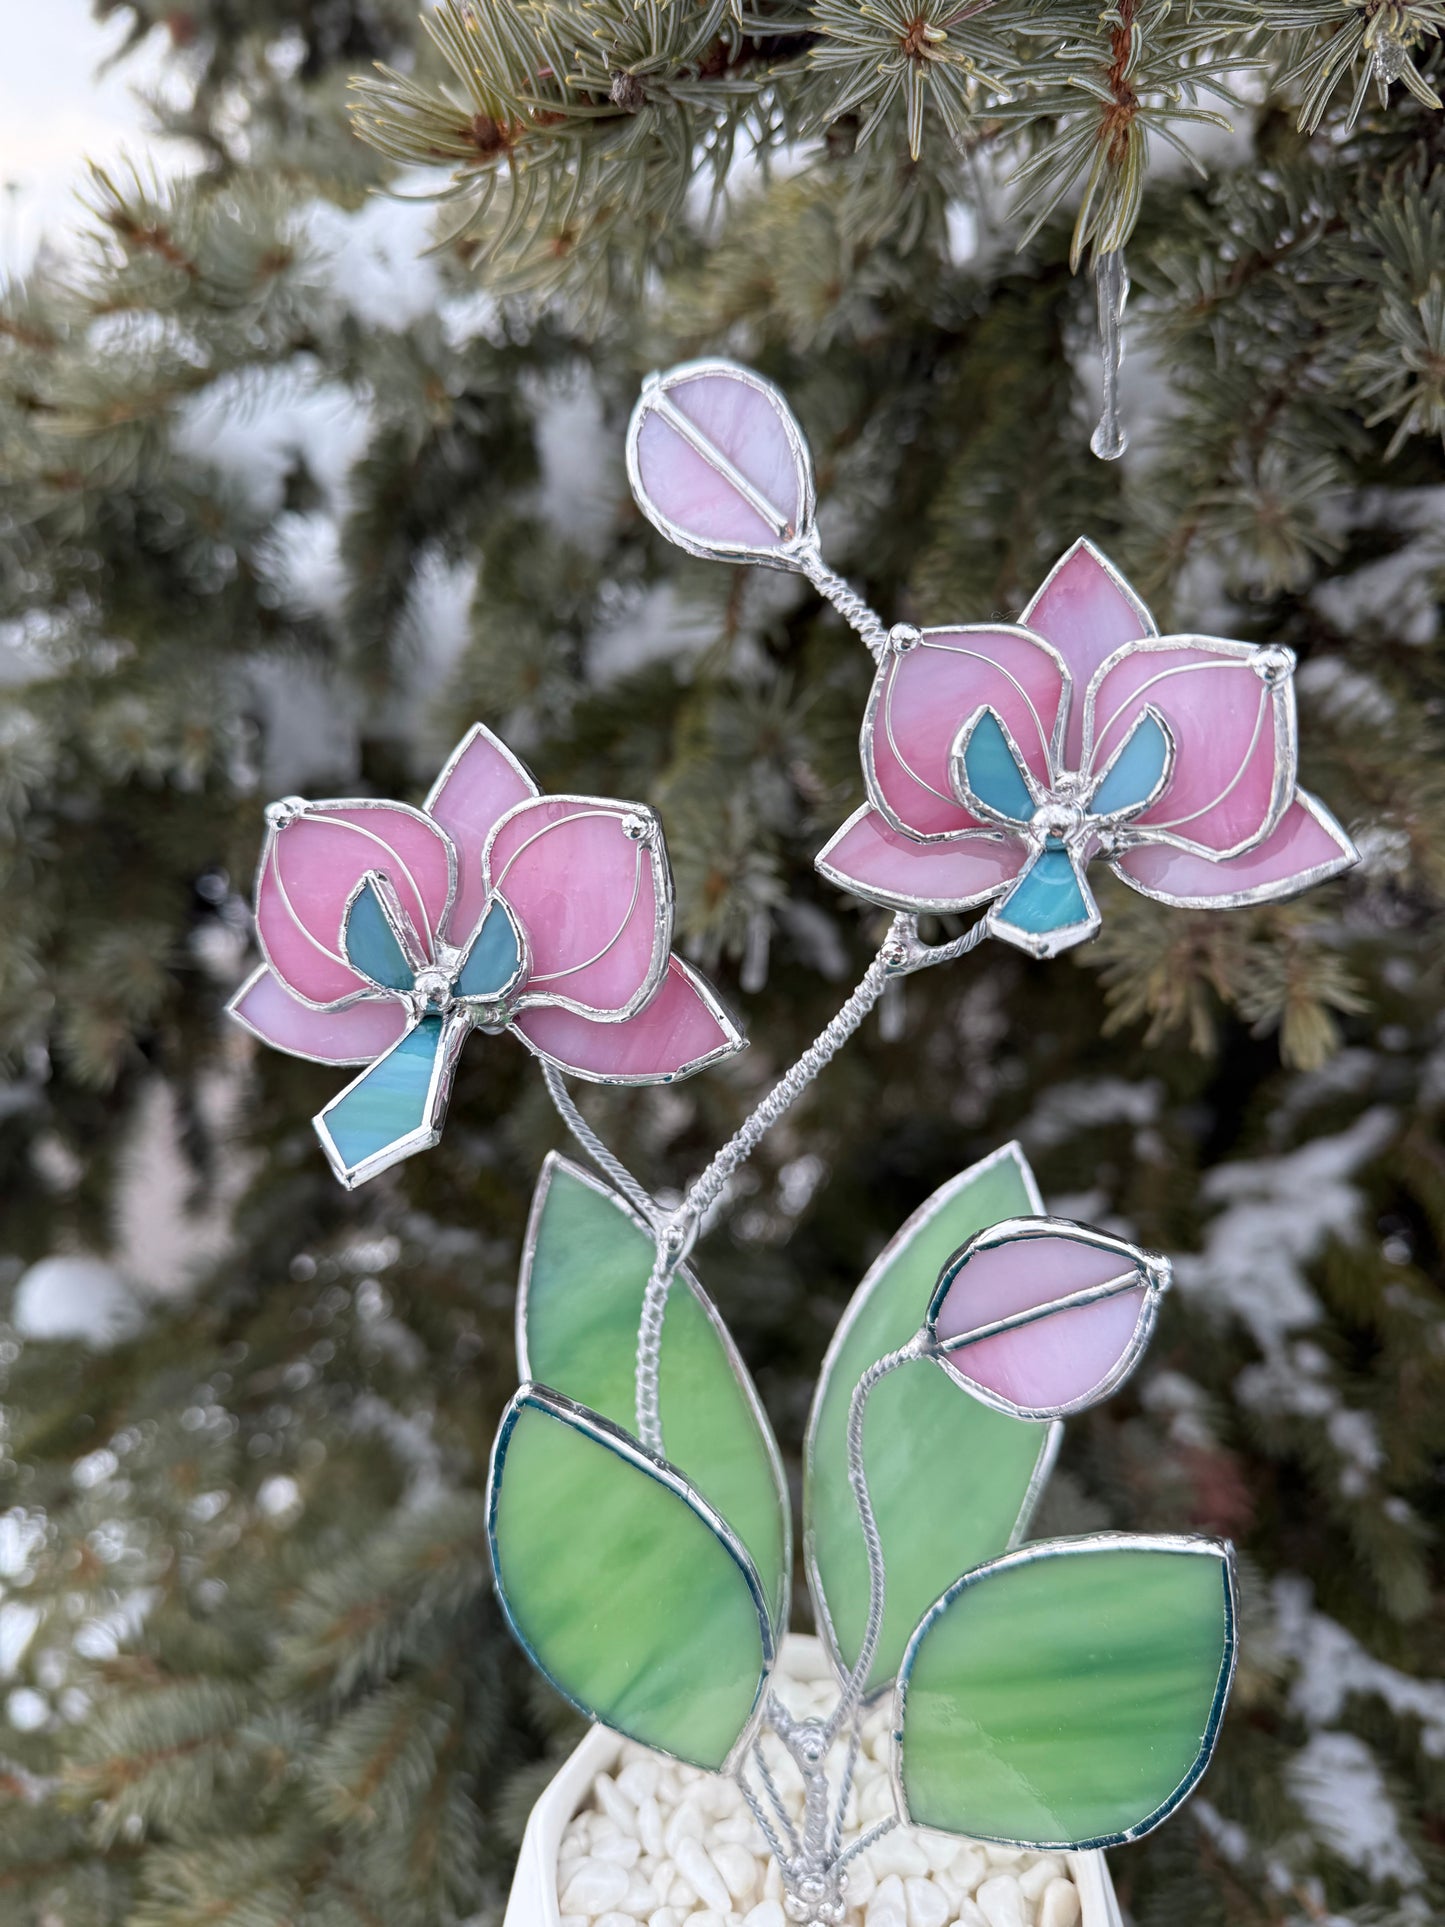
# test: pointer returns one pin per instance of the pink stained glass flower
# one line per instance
(1041, 1317)
(1000, 760)
(390, 933)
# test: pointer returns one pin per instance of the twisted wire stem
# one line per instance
(676, 1239)
(852, 1695)
(844, 598)
(606, 1161)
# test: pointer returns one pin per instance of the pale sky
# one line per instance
(56, 111)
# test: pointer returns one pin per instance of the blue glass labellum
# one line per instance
(1050, 897)
(395, 1107)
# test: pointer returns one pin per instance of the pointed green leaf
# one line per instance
(1068, 1695)
(625, 1587)
(584, 1273)
(951, 1482)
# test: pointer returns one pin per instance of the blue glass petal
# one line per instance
(993, 773)
(1137, 770)
(493, 957)
(1048, 896)
(371, 944)
(390, 1102)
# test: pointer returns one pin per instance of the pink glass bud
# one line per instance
(718, 464)
(1041, 1318)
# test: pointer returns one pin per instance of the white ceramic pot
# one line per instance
(533, 1901)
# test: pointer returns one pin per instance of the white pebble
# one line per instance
(642, 1897)
(876, 1801)
(740, 1830)
(968, 1866)
(738, 1868)
(1038, 1874)
(707, 1918)
(614, 1802)
(681, 1895)
(575, 1920)
(927, 1906)
(1060, 1906)
(862, 1881)
(938, 1848)
(767, 1913)
(888, 1907)
(898, 1852)
(695, 1865)
(665, 1917)
(618, 1920)
(685, 1824)
(1007, 1856)
(649, 1827)
(621, 1851)
(638, 1780)
(596, 1886)
(1002, 1902)
(970, 1914)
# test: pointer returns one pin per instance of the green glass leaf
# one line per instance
(584, 1273)
(952, 1483)
(625, 1587)
(1069, 1694)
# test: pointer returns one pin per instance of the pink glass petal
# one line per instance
(748, 425)
(356, 1035)
(592, 899)
(680, 1031)
(1305, 847)
(482, 780)
(922, 699)
(1233, 738)
(1086, 611)
(1059, 1362)
(871, 858)
(312, 865)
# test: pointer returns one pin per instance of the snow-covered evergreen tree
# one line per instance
(286, 502)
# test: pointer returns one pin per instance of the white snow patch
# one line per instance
(375, 258)
(1331, 1665)
(1070, 1108)
(581, 464)
(657, 626)
(75, 1297)
(257, 425)
(1278, 1214)
(1338, 1784)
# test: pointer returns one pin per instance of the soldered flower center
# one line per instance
(1058, 817)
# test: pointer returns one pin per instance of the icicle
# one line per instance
(754, 972)
(1111, 281)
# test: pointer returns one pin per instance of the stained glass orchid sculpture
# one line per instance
(391, 933)
(1053, 1694)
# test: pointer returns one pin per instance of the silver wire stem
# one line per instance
(676, 1239)
(605, 1160)
(1111, 287)
(845, 599)
(917, 1347)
